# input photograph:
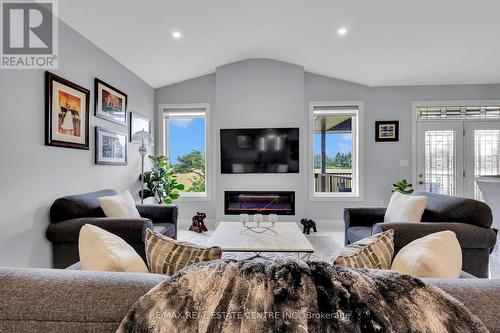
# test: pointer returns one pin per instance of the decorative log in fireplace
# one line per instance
(259, 202)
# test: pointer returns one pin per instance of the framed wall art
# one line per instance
(138, 123)
(387, 131)
(110, 147)
(110, 103)
(66, 113)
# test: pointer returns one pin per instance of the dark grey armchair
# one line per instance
(470, 220)
(68, 214)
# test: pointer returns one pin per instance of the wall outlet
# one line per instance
(404, 163)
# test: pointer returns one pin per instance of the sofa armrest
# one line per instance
(131, 230)
(469, 236)
(159, 213)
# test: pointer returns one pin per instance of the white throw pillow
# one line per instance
(405, 208)
(120, 205)
(101, 250)
(436, 255)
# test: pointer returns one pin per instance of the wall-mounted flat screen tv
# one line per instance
(259, 150)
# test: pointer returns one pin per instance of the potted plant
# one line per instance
(403, 187)
(161, 183)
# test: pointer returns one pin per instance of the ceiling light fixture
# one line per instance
(342, 31)
(176, 34)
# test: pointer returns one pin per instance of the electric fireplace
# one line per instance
(259, 202)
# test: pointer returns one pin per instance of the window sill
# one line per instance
(194, 197)
(334, 197)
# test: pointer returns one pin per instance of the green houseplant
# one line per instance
(403, 187)
(161, 183)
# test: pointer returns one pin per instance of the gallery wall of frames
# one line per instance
(67, 118)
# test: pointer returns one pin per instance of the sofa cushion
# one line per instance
(120, 205)
(405, 208)
(437, 255)
(355, 234)
(374, 252)
(78, 206)
(167, 256)
(103, 251)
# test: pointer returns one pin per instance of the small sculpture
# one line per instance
(308, 224)
(198, 224)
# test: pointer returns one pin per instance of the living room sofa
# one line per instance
(68, 215)
(470, 220)
(52, 300)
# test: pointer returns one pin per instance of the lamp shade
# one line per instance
(143, 138)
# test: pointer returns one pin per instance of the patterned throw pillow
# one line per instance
(167, 256)
(373, 252)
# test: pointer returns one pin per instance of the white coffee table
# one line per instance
(232, 237)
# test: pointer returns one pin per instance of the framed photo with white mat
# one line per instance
(110, 147)
(66, 113)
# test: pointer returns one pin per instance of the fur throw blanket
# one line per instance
(295, 296)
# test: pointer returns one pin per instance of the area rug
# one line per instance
(295, 296)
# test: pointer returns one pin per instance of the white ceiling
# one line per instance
(389, 42)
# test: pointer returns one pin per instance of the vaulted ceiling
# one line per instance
(388, 42)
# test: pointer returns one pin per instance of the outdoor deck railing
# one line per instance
(333, 182)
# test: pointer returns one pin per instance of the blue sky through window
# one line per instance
(335, 143)
(185, 135)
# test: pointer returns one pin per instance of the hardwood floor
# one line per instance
(337, 237)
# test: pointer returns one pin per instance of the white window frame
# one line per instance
(357, 152)
(164, 148)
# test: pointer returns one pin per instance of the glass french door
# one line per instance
(482, 140)
(440, 157)
(451, 154)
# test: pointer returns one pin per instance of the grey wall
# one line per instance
(32, 174)
(260, 93)
(263, 92)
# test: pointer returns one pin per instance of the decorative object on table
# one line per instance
(110, 147)
(198, 224)
(258, 220)
(66, 113)
(373, 252)
(308, 225)
(403, 187)
(386, 131)
(110, 103)
(161, 183)
(144, 139)
(272, 218)
(244, 218)
(364, 301)
(139, 123)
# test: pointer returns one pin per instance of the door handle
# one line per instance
(420, 182)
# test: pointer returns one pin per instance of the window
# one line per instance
(335, 157)
(185, 145)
